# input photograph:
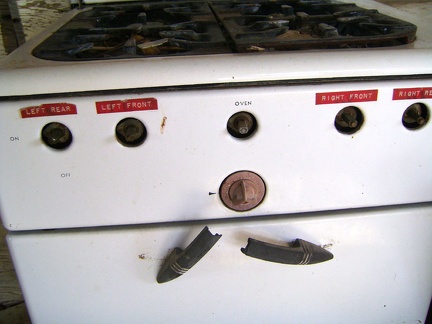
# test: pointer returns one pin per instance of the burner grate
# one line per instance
(127, 31)
(199, 27)
(289, 25)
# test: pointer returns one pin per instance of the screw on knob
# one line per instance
(242, 192)
(242, 126)
(350, 119)
(56, 135)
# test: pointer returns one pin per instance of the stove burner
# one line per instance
(200, 27)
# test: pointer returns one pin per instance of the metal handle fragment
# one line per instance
(180, 261)
(300, 252)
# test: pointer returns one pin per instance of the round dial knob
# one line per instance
(242, 124)
(415, 116)
(56, 135)
(131, 132)
(349, 120)
(242, 190)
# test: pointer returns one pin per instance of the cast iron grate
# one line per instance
(147, 29)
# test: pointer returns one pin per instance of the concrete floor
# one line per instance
(12, 306)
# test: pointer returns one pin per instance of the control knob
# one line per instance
(242, 191)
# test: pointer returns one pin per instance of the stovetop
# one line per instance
(148, 29)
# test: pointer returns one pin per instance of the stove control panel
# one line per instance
(168, 156)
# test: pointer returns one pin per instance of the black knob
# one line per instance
(349, 120)
(242, 124)
(131, 132)
(415, 116)
(56, 135)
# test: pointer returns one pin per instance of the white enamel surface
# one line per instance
(380, 273)
(210, 69)
(306, 163)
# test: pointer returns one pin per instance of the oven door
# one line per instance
(380, 273)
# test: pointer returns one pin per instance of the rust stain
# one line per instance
(147, 257)
(163, 124)
(294, 34)
(326, 246)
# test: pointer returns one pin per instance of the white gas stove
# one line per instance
(282, 144)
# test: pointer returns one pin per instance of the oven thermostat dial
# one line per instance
(242, 191)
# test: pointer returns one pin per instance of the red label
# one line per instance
(412, 93)
(114, 106)
(53, 109)
(326, 98)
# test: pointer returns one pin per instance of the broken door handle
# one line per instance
(180, 261)
(300, 252)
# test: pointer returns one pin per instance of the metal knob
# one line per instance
(242, 191)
